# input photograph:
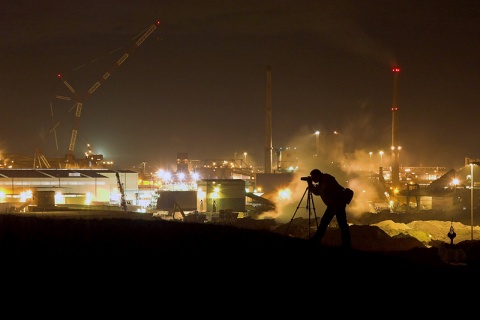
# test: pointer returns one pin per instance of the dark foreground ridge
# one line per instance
(177, 247)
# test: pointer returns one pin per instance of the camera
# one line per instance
(307, 178)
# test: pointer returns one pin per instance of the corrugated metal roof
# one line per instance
(57, 173)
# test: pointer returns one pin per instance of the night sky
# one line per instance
(197, 84)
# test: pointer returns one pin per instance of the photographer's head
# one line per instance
(316, 175)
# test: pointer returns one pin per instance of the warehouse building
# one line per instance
(23, 189)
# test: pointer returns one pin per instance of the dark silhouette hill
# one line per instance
(168, 247)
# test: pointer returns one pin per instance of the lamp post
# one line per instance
(317, 142)
(399, 149)
(245, 158)
(381, 158)
(471, 201)
(370, 163)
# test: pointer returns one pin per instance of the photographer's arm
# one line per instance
(313, 188)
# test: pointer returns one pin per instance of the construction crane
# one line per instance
(40, 159)
(123, 202)
(80, 99)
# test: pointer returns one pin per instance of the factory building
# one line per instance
(216, 195)
(44, 188)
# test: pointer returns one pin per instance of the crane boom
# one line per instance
(81, 99)
(42, 161)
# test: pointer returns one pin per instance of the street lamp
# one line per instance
(398, 155)
(471, 200)
(381, 158)
(317, 142)
(370, 163)
(245, 157)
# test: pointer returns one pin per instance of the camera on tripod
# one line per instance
(310, 206)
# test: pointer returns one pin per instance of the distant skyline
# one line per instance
(197, 84)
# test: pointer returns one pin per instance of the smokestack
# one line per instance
(268, 123)
(395, 147)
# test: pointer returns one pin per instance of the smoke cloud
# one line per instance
(355, 170)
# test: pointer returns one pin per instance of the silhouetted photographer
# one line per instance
(336, 199)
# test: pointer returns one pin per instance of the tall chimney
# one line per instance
(395, 147)
(268, 123)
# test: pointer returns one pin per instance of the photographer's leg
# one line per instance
(324, 222)
(344, 228)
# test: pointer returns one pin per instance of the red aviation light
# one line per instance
(396, 69)
(157, 22)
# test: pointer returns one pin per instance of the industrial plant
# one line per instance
(218, 188)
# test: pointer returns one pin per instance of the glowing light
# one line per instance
(195, 176)
(88, 198)
(164, 175)
(181, 176)
(59, 198)
(216, 193)
(284, 194)
(23, 197)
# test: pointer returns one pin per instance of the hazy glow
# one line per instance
(115, 196)
(88, 198)
(164, 175)
(284, 194)
(216, 193)
(25, 195)
(59, 198)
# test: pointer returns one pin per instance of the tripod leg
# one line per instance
(311, 205)
(314, 210)
(298, 206)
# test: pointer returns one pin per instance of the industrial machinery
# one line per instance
(39, 161)
(79, 99)
(123, 202)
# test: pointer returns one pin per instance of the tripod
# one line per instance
(310, 206)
